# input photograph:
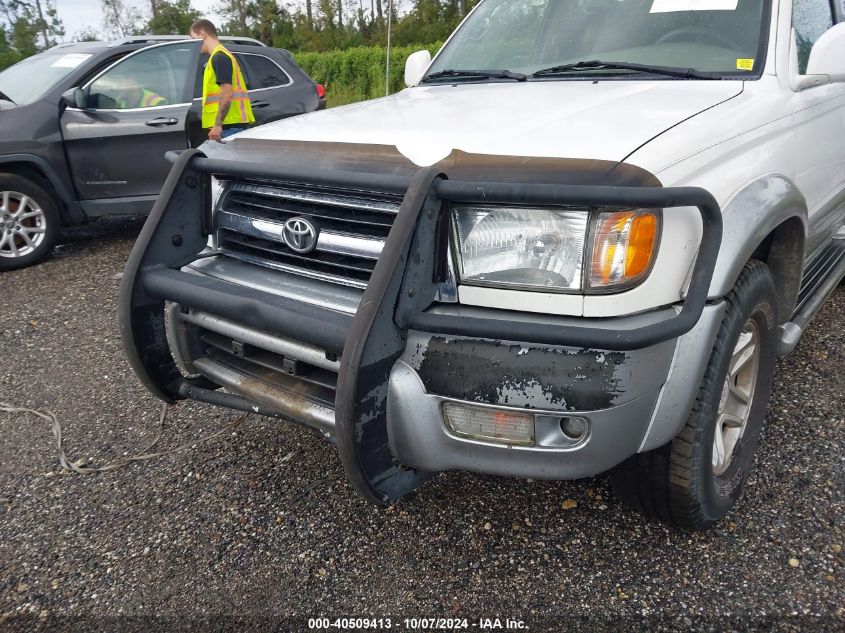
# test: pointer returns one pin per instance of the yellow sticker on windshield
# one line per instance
(745, 64)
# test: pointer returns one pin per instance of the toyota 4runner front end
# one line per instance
(332, 297)
(562, 251)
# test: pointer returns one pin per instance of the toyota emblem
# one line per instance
(300, 235)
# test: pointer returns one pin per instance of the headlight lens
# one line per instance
(541, 248)
(546, 249)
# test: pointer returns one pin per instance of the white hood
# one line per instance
(562, 119)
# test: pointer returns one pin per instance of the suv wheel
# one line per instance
(694, 480)
(29, 222)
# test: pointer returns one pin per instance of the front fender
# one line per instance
(43, 167)
(767, 204)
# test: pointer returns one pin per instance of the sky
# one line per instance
(78, 15)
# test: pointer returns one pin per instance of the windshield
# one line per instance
(525, 36)
(31, 79)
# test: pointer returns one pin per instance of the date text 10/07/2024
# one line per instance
(417, 624)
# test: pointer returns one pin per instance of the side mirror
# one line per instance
(76, 98)
(415, 67)
(827, 57)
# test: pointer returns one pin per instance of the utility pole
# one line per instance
(387, 69)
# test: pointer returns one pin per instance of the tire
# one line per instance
(28, 233)
(689, 482)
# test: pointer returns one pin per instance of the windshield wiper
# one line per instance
(5, 98)
(475, 74)
(597, 64)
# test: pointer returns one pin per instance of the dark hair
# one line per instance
(204, 25)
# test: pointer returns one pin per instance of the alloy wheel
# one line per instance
(23, 224)
(737, 396)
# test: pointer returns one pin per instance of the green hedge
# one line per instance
(356, 74)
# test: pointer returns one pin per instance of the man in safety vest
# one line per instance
(131, 95)
(225, 103)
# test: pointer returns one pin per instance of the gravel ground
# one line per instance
(258, 529)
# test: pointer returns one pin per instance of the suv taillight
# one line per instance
(321, 91)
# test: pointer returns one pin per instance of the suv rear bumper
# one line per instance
(382, 404)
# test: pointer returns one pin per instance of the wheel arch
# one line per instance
(767, 220)
(39, 171)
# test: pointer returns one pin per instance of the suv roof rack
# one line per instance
(143, 39)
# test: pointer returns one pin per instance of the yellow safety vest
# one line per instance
(149, 99)
(240, 111)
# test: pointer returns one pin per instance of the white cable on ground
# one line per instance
(67, 464)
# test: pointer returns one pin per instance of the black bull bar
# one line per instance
(397, 299)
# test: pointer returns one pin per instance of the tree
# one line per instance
(47, 22)
(26, 21)
(236, 12)
(172, 18)
(25, 37)
(89, 34)
(8, 55)
(121, 19)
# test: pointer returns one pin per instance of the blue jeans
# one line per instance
(227, 132)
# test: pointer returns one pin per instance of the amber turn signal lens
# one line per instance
(623, 247)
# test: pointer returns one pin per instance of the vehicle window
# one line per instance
(17, 82)
(244, 71)
(530, 35)
(810, 19)
(100, 67)
(152, 77)
(264, 72)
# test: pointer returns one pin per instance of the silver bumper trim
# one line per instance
(418, 437)
(282, 394)
(294, 286)
(270, 342)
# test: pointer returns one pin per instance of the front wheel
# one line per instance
(694, 480)
(29, 222)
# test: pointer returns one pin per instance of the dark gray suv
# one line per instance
(78, 142)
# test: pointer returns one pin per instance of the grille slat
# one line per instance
(353, 227)
(317, 259)
(237, 204)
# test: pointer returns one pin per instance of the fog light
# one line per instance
(492, 425)
(574, 428)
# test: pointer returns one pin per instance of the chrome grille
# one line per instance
(352, 229)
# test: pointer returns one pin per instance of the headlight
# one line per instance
(521, 247)
(554, 249)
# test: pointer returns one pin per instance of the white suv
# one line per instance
(575, 244)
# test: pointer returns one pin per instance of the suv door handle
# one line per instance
(260, 104)
(162, 121)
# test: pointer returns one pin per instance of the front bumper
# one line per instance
(374, 380)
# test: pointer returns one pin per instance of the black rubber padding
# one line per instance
(325, 328)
